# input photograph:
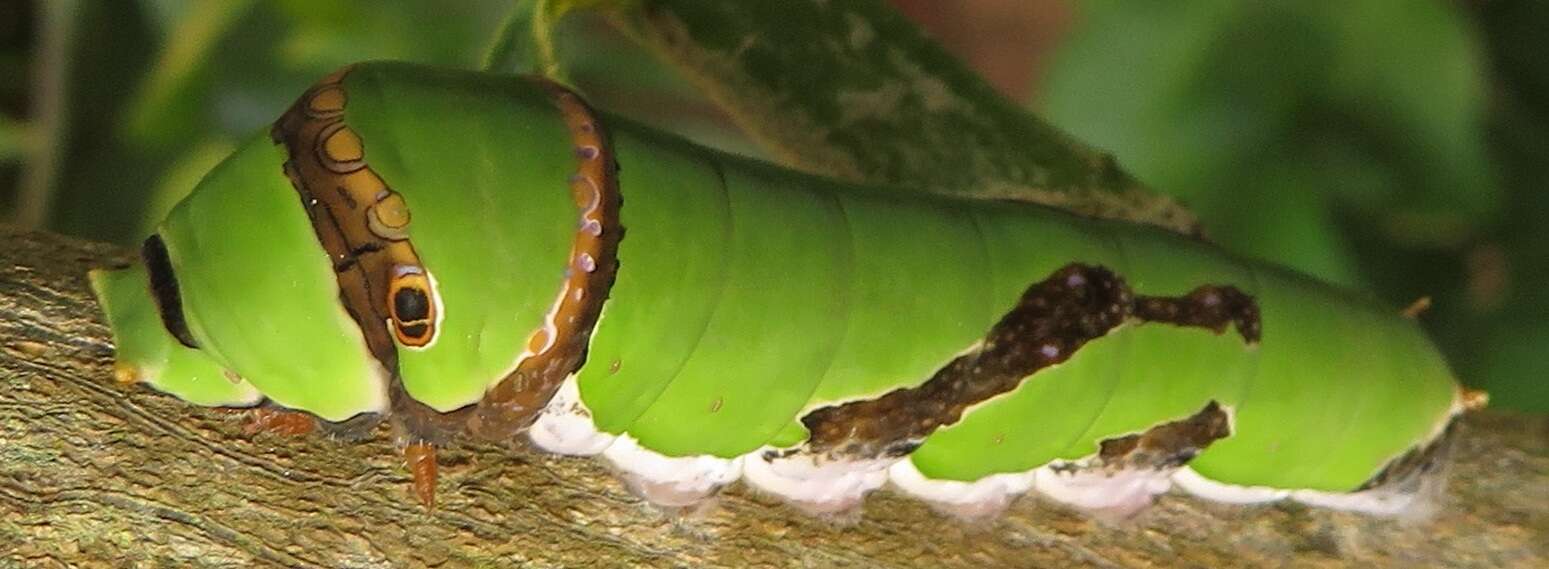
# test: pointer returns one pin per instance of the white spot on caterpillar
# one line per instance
(977, 500)
(826, 487)
(1407, 502)
(566, 427)
(1377, 501)
(1193, 483)
(1119, 493)
(667, 480)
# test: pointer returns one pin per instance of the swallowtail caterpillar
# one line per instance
(461, 253)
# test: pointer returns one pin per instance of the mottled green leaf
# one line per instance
(853, 90)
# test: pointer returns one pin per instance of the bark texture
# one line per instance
(95, 474)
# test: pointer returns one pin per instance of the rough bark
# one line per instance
(98, 474)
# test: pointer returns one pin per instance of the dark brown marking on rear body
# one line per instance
(1210, 306)
(1162, 447)
(1052, 320)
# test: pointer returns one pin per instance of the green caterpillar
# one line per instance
(465, 253)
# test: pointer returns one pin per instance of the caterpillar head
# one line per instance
(234, 296)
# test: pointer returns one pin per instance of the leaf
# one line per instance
(853, 90)
(515, 49)
(167, 101)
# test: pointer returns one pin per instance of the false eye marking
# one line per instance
(414, 306)
(410, 303)
(361, 222)
(388, 218)
(1053, 319)
(558, 348)
(339, 149)
(326, 102)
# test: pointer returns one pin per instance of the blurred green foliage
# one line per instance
(154, 91)
(1355, 141)
(11, 134)
(1397, 147)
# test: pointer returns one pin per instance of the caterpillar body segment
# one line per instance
(160, 360)
(463, 253)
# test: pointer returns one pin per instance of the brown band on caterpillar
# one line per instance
(1052, 320)
(363, 225)
(558, 348)
(360, 221)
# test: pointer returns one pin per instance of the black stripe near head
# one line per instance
(164, 289)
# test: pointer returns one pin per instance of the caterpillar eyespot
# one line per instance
(412, 306)
(811, 337)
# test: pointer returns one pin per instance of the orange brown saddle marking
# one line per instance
(363, 225)
(360, 221)
(558, 348)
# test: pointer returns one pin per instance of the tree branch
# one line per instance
(98, 474)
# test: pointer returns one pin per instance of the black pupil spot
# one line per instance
(164, 290)
(410, 304)
(414, 330)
